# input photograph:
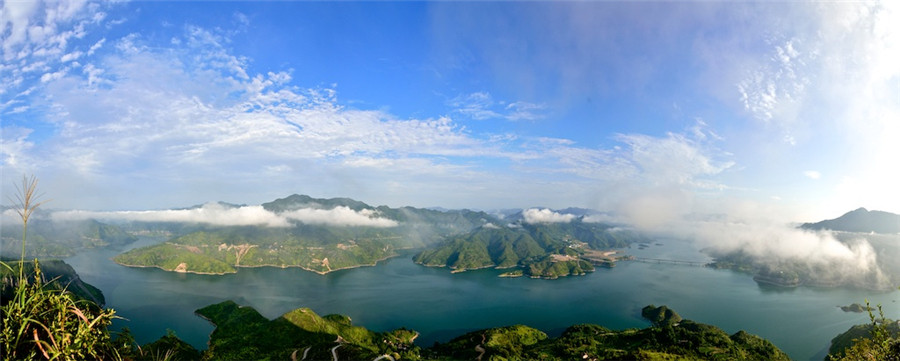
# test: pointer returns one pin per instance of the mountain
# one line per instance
(221, 250)
(548, 250)
(57, 275)
(58, 239)
(297, 201)
(242, 333)
(459, 239)
(860, 220)
(425, 224)
(316, 247)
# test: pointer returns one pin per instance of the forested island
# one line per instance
(548, 250)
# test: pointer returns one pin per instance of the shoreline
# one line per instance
(174, 271)
(260, 266)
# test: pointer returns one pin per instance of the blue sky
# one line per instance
(647, 109)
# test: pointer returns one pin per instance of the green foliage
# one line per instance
(878, 340)
(168, 347)
(242, 333)
(44, 321)
(687, 341)
(528, 245)
(58, 239)
(661, 316)
(316, 248)
(496, 344)
(57, 275)
(40, 321)
(550, 269)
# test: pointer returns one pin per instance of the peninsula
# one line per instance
(325, 235)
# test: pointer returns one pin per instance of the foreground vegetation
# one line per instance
(877, 340)
(242, 333)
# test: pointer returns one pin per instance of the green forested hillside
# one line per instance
(242, 333)
(315, 248)
(57, 275)
(49, 239)
(543, 250)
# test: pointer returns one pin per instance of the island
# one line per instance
(856, 307)
(540, 250)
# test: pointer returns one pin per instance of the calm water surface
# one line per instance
(398, 293)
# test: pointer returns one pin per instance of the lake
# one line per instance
(440, 305)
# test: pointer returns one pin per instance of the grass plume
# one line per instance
(41, 322)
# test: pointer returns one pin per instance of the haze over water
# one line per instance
(440, 305)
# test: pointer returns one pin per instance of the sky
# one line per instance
(649, 110)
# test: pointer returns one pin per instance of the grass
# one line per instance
(43, 322)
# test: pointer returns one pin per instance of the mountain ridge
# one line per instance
(860, 220)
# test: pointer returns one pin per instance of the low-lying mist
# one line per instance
(221, 215)
(822, 257)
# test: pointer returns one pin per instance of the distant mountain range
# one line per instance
(324, 235)
(60, 239)
(860, 220)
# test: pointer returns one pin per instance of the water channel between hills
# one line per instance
(440, 305)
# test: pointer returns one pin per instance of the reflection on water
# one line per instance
(440, 305)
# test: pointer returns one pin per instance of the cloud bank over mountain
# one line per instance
(544, 215)
(219, 215)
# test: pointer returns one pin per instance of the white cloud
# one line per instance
(71, 56)
(481, 106)
(535, 215)
(149, 119)
(600, 218)
(96, 46)
(775, 243)
(340, 216)
(811, 174)
(14, 146)
(37, 36)
(210, 213)
(521, 110)
(475, 105)
(217, 214)
(674, 159)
